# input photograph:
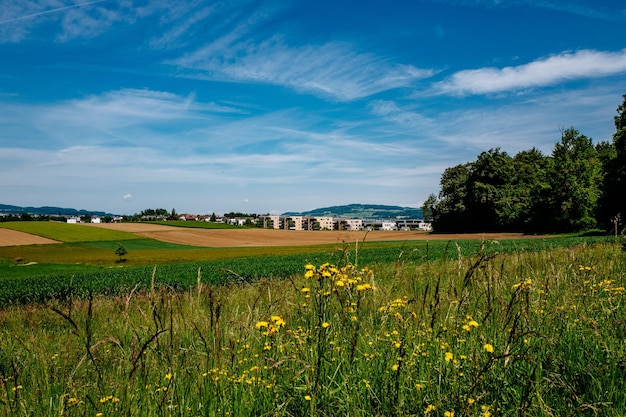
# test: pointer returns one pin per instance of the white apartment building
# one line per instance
(326, 223)
(389, 225)
(354, 224)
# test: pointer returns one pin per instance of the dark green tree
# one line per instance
(613, 200)
(121, 251)
(450, 214)
(428, 207)
(532, 191)
(490, 195)
(575, 182)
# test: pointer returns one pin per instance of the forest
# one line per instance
(579, 186)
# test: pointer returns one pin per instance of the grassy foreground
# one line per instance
(525, 333)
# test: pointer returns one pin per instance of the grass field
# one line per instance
(68, 233)
(47, 271)
(532, 328)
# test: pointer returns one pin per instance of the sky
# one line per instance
(273, 106)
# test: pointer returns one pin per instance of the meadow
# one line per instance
(532, 328)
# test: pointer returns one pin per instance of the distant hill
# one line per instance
(49, 211)
(363, 211)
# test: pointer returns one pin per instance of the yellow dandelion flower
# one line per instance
(278, 321)
(473, 323)
(430, 409)
(467, 328)
(261, 324)
(325, 324)
(488, 347)
(449, 356)
(305, 289)
(471, 401)
(307, 397)
(395, 367)
(448, 414)
(309, 267)
(340, 283)
(168, 375)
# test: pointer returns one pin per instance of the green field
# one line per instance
(509, 328)
(64, 232)
(38, 273)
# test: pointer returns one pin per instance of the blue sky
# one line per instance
(273, 106)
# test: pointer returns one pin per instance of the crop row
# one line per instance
(181, 276)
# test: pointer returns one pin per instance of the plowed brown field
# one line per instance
(270, 237)
(10, 237)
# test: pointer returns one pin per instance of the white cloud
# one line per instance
(543, 72)
(332, 70)
(18, 18)
(127, 196)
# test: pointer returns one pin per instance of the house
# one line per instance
(96, 220)
(389, 225)
(73, 220)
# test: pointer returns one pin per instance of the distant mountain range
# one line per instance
(49, 211)
(363, 211)
(350, 211)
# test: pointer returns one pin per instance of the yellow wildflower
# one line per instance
(430, 409)
(261, 324)
(325, 324)
(307, 397)
(448, 414)
(488, 347)
(449, 356)
(278, 321)
(305, 289)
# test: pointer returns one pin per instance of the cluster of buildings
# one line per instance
(338, 223)
(295, 222)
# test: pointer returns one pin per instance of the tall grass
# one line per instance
(523, 333)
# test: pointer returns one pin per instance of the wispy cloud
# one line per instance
(44, 12)
(85, 19)
(543, 72)
(332, 70)
(241, 51)
(108, 116)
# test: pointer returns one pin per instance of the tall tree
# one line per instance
(450, 213)
(428, 207)
(490, 194)
(532, 191)
(575, 181)
(613, 201)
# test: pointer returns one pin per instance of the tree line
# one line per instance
(579, 186)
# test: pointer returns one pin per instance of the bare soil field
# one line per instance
(10, 237)
(219, 238)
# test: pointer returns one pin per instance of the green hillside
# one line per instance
(363, 211)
